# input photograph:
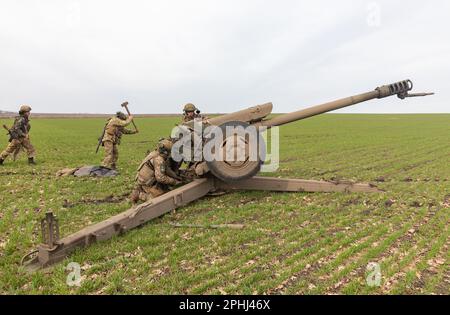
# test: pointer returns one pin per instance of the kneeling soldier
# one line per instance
(19, 136)
(112, 134)
(156, 174)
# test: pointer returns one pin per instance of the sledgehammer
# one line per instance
(125, 104)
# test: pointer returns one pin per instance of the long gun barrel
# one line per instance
(100, 140)
(12, 134)
(399, 88)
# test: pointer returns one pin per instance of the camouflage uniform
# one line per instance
(114, 129)
(19, 137)
(190, 108)
(153, 179)
(186, 118)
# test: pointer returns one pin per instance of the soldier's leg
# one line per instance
(156, 190)
(12, 146)
(135, 194)
(150, 192)
(17, 152)
(108, 160)
(30, 150)
(146, 193)
(140, 193)
(115, 156)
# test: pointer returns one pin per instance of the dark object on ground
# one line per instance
(91, 170)
(99, 171)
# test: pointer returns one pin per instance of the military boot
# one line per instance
(31, 161)
(1, 161)
(134, 196)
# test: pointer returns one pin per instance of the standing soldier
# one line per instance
(156, 174)
(190, 112)
(112, 134)
(19, 136)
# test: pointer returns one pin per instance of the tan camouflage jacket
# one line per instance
(186, 119)
(115, 128)
(21, 127)
(154, 169)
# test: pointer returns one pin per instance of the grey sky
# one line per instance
(89, 56)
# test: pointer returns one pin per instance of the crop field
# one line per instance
(292, 243)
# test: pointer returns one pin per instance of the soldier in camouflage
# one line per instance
(157, 174)
(113, 131)
(190, 112)
(19, 136)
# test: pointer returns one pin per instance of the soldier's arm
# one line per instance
(172, 173)
(123, 123)
(161, 175)
(128, 131)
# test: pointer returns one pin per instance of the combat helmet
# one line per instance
(121, 115)
(24, 109)
(189, 107)
(165, 146)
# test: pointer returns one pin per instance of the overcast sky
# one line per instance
(89, 56)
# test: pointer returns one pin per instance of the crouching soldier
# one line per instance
(112, 134)
(156, 174)
(19, 136)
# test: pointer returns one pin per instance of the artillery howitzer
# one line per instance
(232, 170)
(226, 174)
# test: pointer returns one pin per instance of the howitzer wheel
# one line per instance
(242, 152)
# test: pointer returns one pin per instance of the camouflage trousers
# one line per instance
(111, 155)
(145, 193)
(16, 145)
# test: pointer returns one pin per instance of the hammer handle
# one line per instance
(128, 111)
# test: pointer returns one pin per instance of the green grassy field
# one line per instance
(292, 243)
